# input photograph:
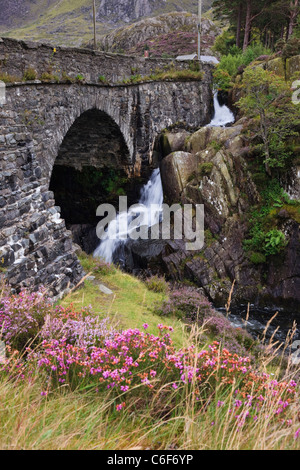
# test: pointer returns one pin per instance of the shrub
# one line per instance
(80, 329)
(102, 267)
(7, 78)
(205, 169)
(135, 363)
(22, 316)
(230, 64)
(186, 303)
(157, 284)
(29, 75)
(275, 242)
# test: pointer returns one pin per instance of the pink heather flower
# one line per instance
(145, 326)
(297, 433)
(175, 386)
(119, 407)
(238, 403)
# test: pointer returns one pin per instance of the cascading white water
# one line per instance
(118, 230)
(222, 116)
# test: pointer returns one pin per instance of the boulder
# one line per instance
(276, 66)
(176, 170)
(292, 66)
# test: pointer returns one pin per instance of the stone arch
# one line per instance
(92, 167)
(94, 139)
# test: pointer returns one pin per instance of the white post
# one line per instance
(199, 28)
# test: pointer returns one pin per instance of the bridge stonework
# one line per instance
(35, 246)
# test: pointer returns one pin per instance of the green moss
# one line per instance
(258, 258)
(205, 169)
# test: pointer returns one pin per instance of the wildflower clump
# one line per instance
(22, 316)
(136, 363)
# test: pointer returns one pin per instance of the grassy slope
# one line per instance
(130, 306)
(69, 22)
(73, 420)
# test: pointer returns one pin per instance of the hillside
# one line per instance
(67, 22)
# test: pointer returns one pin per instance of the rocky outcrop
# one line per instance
(172, 33)
(114, 11)
(211, 169)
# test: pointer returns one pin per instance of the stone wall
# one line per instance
(49, 110)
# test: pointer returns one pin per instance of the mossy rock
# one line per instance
(276, 66)
(292, 66)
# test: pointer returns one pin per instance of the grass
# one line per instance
(164, 75)
(79, 419)
(72, 420)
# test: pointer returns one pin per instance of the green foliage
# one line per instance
(102, 79)
(274, 242)
(257, 258)
(290, 48)
(225, 43)
(157, 284)
(8, 78)
(79, 78)
(265, 238)
(228, 68)
(205, 169)
(267, 100)
(49, 77)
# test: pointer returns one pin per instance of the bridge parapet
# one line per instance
(17, 57)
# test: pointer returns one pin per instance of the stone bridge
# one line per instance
(71, 122)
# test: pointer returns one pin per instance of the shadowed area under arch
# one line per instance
(92, 167)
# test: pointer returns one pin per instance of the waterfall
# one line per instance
(118, 230)
(151, 194)
(222, 115)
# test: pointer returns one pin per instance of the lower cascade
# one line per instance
(119, 230)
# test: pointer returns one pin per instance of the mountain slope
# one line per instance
(168, 35)
(70, 22)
